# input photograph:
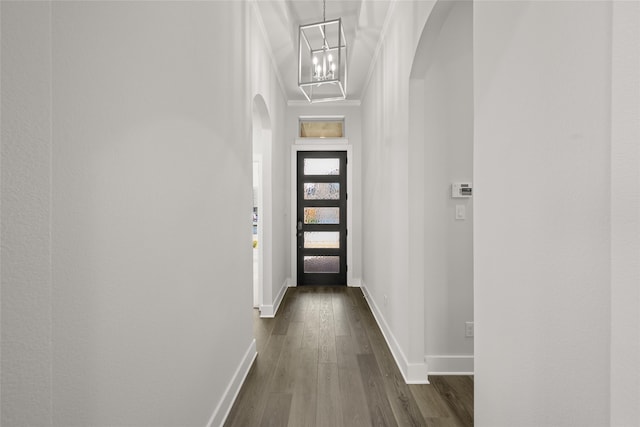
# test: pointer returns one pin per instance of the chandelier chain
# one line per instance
(324, 10)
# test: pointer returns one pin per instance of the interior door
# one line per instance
(322, 218)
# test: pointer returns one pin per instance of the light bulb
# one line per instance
(330, 58)
(333, 67)
(315, 60)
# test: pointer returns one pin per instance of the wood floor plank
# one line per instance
(442, 422)
(356, 412)
(300, 309)
(327, 347)
(379, 408)
(340, 317)
(284, 315)
(455, 391)
(283, 380)
(255, 388)
(405, 408)
(312, 308)
(329, 409)
(311, 330)
(326, 334)
(261, 329)
(305, 369)
(310, 338)
(357, 327)
(276, 411)
(281, 326)
(402, 401)
(429, 400)
(303, 410)
(296, 328)
(324, 361)
(304, 402)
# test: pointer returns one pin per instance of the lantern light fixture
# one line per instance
(322, 60)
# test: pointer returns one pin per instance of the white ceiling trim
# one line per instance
(265, 36)
(376, 53)
(305, 103)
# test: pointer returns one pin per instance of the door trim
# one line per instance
(343, 145)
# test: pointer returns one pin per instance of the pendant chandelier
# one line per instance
(322, 60)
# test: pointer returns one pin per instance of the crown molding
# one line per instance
(304, 103)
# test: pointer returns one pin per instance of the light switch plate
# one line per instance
(460, 212)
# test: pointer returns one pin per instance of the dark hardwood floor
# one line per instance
(322, 361)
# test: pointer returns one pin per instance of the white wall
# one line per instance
(446, 137)
(353, 132)
(129, 165)
(387, 231)
(542, 207)
(264, 83)
(625, 215)
(25, 382)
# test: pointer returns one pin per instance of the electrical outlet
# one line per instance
(468, 329)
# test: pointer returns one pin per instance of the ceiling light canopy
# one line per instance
(322, 60)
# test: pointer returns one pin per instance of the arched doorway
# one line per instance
(261, 149)
(441, 121)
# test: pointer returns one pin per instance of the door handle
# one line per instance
(299, 225)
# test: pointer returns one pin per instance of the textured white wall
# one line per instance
(139, 319)
(542, 230)
(447, 141)
(25, 209)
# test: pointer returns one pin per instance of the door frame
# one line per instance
(317, 144)
(259, 284)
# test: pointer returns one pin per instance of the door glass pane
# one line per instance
(322, 264)
(321, 190)
(322, 215)
(322, 239)
(322, 166)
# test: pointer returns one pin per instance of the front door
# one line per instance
(322, 217)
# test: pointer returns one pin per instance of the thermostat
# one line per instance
(461, 190)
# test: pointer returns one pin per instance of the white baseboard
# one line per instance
(355, 283)
(221, 412)
(413, 373)
(449, 364)
(269, 311)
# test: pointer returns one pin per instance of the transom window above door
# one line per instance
(321, 127)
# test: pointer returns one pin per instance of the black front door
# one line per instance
(322, 218)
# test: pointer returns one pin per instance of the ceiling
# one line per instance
(362, 21)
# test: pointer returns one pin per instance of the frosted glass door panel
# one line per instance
(322, 264)
(322, 240)
(321, 215)
(322, 166)
(322, 191)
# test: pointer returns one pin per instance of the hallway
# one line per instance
(126, 154)
(322, 361)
